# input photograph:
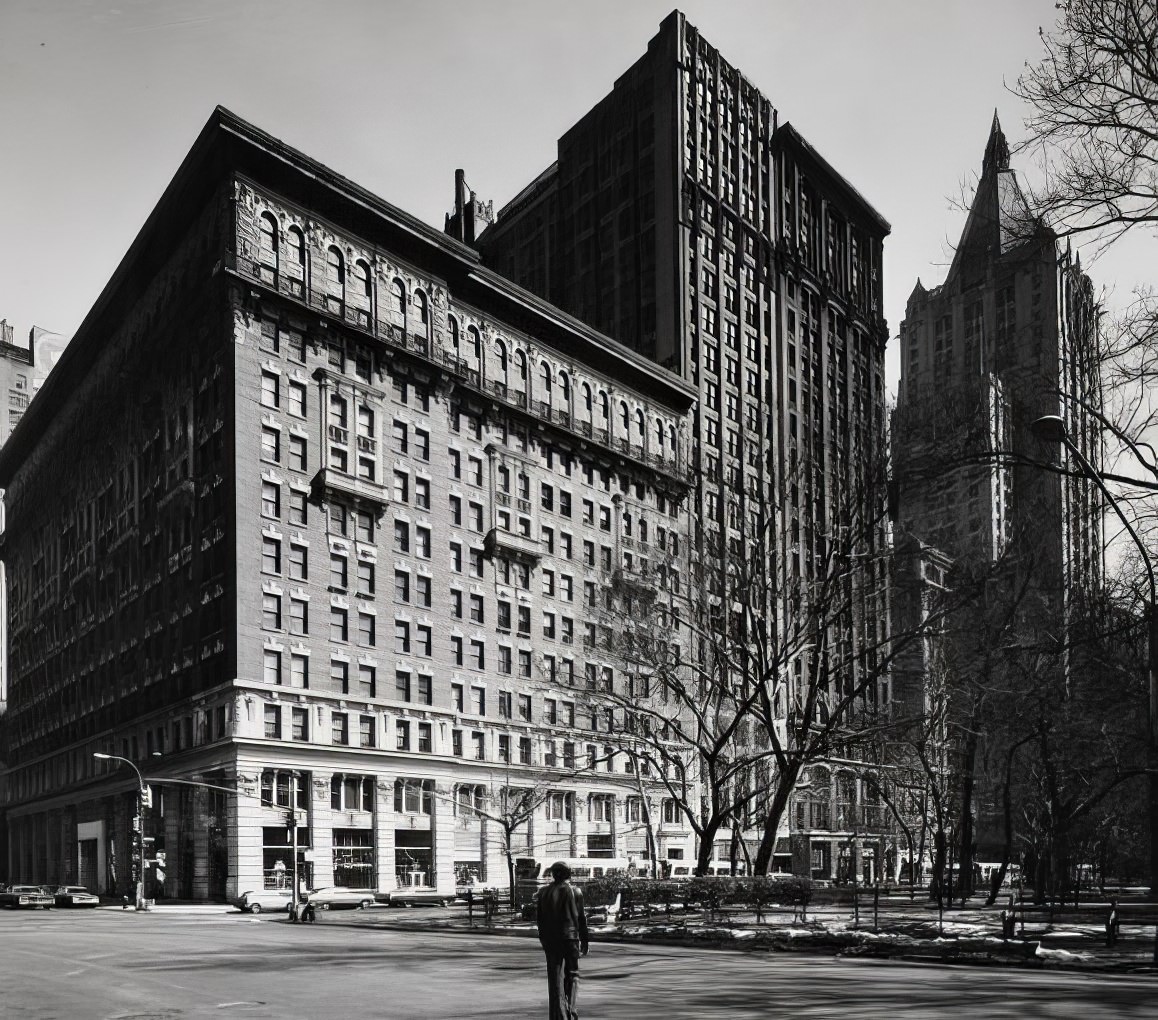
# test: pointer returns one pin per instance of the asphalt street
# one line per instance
(109, 965)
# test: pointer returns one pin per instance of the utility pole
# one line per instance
(138, 826)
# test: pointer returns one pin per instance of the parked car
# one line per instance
(337, 896)
(72, 896)
(25, 897)
(417, 897)
(254, 901)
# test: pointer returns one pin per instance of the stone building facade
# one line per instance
(319, 510)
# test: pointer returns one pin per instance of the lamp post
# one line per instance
(1051, 428)
(140, 891)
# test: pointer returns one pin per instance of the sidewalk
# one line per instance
(968, 937)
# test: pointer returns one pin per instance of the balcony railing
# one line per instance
(362, 491)
(500, 542)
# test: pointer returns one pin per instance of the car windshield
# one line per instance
(76, 888)
(25, 888)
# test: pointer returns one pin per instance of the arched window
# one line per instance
(504, 366)
(521, 364)
(398, 302)
(335, 279)
(452, 329)
(604, 409)
(475, 343)
(658, 435)
(362, 279)
(267, 227)
(671, 439)
(295, 255)
(565, 389)
(640, 427)
(422, 309)
(545, 381)
(587, 408)
(624, 419)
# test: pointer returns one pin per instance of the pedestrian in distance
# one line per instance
(563, 936)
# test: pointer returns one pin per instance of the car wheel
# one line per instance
(324, 906)
(255, 908)
(365, 904)
(444, 903)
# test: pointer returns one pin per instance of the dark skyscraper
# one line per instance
(682, 218)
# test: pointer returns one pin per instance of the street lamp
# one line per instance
(1052, 429)
(140, 821)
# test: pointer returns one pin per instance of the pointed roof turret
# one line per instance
(996, 149)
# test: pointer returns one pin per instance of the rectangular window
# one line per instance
(271, 611)
(273, 722)
(365, 577)
(298, 562)
(424, 742)
(366, 731)
(402, 637)
(271, 444)
(402, 685)
(299, 671)
(402, 735)
(425, 689)
(297, 506)
(297, 453)
(270, 555)
(339, 728)
(297, 398)
(422, 590)
(299, 719)
(367, 680)
(271, 668)
(339, 572)
(339, 624)
(367, 626)
(299, 618)
(271, 500)
(340, 675)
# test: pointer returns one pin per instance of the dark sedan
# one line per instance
(72, 896)
(25, 897)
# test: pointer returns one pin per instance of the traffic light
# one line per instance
(136, 825)
(146, 796)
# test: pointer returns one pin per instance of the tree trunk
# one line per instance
(937, 880)
(965, 852)
(707, 842)
(511, 869)
(784, 788)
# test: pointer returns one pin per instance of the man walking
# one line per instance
(563, 935)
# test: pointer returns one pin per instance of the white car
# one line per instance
(254, 901)
(337, 896)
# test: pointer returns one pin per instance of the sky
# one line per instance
(100, 102)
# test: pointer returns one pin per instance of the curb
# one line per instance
(815, 947)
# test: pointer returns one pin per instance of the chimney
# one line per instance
(470, 216)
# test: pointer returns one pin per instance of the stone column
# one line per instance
(442, 840)
(384, 824)
(322, 830)
(200, 844)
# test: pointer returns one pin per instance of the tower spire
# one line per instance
(996, 149)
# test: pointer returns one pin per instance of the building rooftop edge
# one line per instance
(200, 160)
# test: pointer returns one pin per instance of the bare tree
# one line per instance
(775, 654)
(1094, 115)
